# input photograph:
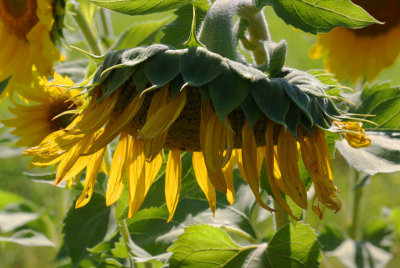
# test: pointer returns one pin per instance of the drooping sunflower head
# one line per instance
(25, 35)
(356, 53)
(226, 113)
(50, 109)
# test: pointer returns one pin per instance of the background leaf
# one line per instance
(87, 226)
(140, 7)
(319, 16)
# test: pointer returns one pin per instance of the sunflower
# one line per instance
(50, 112)
(356, 53)
(25, 34)
(226, 113)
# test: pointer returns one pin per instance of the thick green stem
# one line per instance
(216, 32)
(356, 202)
(86, 31)
(281, 218)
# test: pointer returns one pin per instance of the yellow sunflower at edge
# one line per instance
(25, 27)
(363, 52)
(50, 109)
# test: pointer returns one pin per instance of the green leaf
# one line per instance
(140, 34)
(28, 238)
(361, 254)
(3, 84)
(383, 101)
(294, 246)
(140, 7)
(330, 238)
(383, 156)
(87, 226)
(11, 219)
(319, 16)
(8, 198)
(177, 32)
(207, 246)
(277, 56)
(379, 233)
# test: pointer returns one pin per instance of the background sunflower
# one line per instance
(362, 53)
(25, 35)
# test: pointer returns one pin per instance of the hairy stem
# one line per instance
(217, 30)
(85, 29)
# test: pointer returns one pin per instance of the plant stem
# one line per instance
(86, 31)
(104, 24)
(258, 31)
(356, 202)
(126, 238)
(281, 218)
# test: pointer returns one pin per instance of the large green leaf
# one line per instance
(140, 7)
(86, 227)
(383, 101)
(207, 246)
(319, 16)
(294, 246)
(177, 32)
(140, 34)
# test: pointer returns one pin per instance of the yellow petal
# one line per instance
(218, 144)
(92, 171)
(165, 116)
(206, 186)
(141, 174)
(288, 157)
(269, 165)
(228, 174)
(115, 184)
(173, 176)
(114, 128)
(247, 163)
(71, 159)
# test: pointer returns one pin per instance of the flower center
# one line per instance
(58, 107)
(386, 11)
(18, 16)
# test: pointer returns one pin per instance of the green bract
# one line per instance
(289, 98)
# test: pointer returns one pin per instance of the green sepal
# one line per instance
(112, 59)
(227, 92)
(317, 114)
(276, 56)
(176, 85)
(162, 68)
(292, 119)
(271, 98)
(301, 99)
(199, 67)
(205, 95)
(116, 79)
(251, 110)
(137, 55)
(139, 78)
